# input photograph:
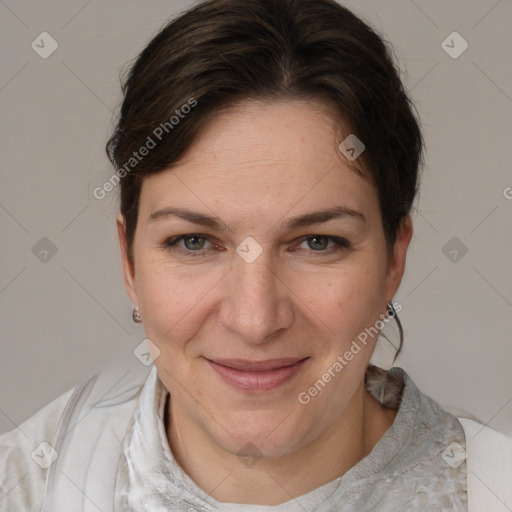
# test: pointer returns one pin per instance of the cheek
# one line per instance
(344, 300)
(173, 300)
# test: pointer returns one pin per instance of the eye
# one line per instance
(193, 243)
(320, 244)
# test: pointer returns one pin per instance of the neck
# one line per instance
(229, 478)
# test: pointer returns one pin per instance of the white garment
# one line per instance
(404, 471)
(88, 424)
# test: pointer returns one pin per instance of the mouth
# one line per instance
(257, 375)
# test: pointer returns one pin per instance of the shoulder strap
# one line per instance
(489, 468)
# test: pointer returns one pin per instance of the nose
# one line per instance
(257, 303)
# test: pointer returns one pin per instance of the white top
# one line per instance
(113, 455)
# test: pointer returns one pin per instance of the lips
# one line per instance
(258, 366)
(257, 375)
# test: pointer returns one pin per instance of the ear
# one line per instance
(127, 267)
(396, 264)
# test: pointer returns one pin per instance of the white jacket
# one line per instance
(46, 466)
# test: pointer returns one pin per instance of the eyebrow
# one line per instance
(307, 219)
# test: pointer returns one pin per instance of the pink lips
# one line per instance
(257, 375)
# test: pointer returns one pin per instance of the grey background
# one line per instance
(63, 317)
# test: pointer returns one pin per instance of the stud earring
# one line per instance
(136, 315)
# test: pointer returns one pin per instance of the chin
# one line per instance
(270, 437)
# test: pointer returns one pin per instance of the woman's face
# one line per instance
(260, 281)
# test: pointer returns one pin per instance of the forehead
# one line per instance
(286, 129)
(265, 152)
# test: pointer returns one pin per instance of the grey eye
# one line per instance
(191, 242)
(318, 242)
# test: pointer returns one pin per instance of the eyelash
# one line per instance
(340, 244)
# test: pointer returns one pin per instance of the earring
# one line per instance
(393, 314)
(136, 315)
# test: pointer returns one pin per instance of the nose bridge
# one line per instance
(257, 305)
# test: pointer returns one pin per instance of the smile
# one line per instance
(257, 375)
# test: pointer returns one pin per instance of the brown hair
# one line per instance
(224, 51)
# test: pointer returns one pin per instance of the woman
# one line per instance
(267, 158)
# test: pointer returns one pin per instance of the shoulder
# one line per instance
(489, 467)
(24, 453)
(36, 451)
(85, 423)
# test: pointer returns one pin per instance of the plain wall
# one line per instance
(63, 317)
